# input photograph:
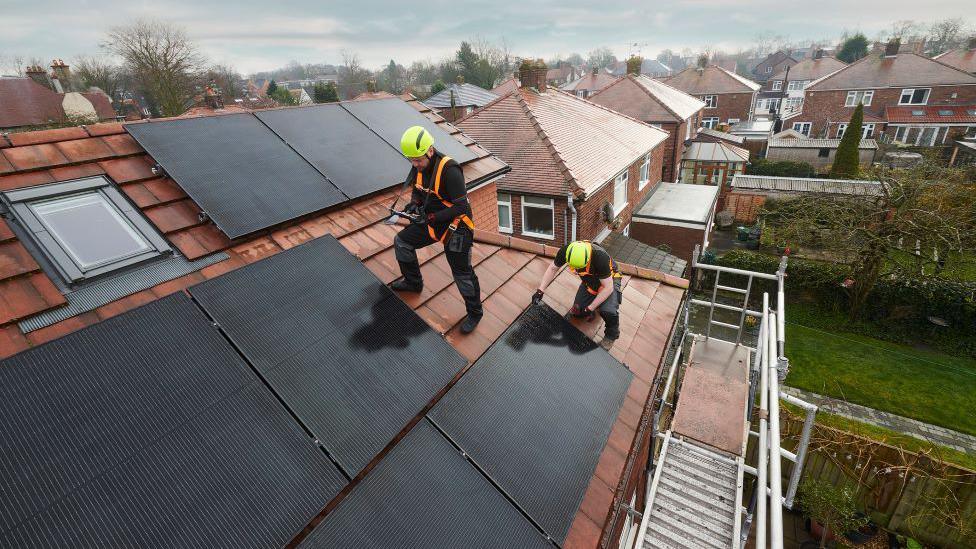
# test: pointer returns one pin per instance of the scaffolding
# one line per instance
(697, 462)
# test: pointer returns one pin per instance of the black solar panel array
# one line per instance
(357, 160)
(348, 357)
(535, 411)
(149, 430)
(237, 170)
(424, 494)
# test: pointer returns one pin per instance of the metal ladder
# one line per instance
(745, 292)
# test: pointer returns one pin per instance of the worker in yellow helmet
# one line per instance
(599, 288)
(440, 213)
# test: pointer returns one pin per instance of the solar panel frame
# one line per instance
(339, 145)
(348, 357)
(535, 413)
(144, 430)
(390, 117)
(425, 494)
(240, 173)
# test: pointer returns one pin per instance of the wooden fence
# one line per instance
(904, 492)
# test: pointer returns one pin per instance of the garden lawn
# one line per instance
(925, 385)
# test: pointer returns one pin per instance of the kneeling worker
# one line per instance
(599, 283)
(440, 203)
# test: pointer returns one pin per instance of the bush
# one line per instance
(782, 168)
(899, 307)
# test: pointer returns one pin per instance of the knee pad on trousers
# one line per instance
(405, 253)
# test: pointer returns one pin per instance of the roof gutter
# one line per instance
(572, 209)
(477, 183)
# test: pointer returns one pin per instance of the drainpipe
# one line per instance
(572, 209)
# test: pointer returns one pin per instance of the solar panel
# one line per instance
(390, 117)
(535, 411)
(237, 170)
(149, 430)
(425, 494)
(357, 160)
(352, 361)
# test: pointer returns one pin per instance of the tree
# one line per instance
(161, 59)
(12, 64)
(282, 96)
(853, 48)
(437, 87)
(325, 93)
(574, 59)
(352, 75)
(393, 78)
(834, 507)
(601, 57)
(847, 160)
(634, 64)
(944, 35)
(929, 206)
(272, 87)
(227, 80)
(101, 73)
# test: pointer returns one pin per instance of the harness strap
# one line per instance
(436, 192)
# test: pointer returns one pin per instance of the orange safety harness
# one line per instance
(586, 269)
(436, 192)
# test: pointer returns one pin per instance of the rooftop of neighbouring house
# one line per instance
(625, 249)
(649, 100)
(804, 143)
(679, 202)
(463, 94)
(724, 136)
(931, 114)
(557, 143)
(24, 102)
(715, 152)
(963, 59)
(903, 70)
(807, 185)
(810, 69)
(590, 81)
(711, 80)
(508, 268)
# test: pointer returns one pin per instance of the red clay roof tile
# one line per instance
(174, 216)
(289, 237)
(234, 261)
(15, 260)
(5, 166)
(5, 232)
(177, 284)
(12, 341)
(597, 501)
(256, 249)
(23, 296)
(123, 144)
(583, 534)
(54, 331)
(124, 170)
(85, 150)
(126, 303)
(47, 136)
(139, 194)
(32, 157)
(164, 189)
(26, 179)
(110, 128)
(64, 173)
(199, 241)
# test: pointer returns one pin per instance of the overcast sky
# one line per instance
(261, 35)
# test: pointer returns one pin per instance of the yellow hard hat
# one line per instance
(578, 254)
(415, 142)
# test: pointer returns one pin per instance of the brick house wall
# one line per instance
(681, 240)
(484, 206)
(674, 147)
(821, 108)
(729, 105)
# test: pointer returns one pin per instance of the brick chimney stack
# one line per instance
(818, 54)
(595, 71)
(971, 46)
(891, 50)
(702, 63)
(39, 75)
(532, 74)
(62, 73)
(460, 79)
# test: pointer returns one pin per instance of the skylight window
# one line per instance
(83, 228)
(918, 113)
(945, 112)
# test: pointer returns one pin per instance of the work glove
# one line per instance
(430, 219)
(412, 208)
(537, 297)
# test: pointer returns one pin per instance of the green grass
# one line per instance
(921, 384)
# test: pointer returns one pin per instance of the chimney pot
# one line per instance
(818, 54)
(891, 50)
(595, 71)
(702, 62)
(972, 43)
(460, 79)
(532, 74)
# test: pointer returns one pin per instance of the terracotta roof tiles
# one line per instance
(711, 80)
(962, 59)
(903, 70)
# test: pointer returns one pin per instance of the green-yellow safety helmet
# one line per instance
(578, 254)
(415, 142)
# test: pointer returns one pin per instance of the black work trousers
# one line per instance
(609, 309)
(457, 249)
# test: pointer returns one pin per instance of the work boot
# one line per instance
(470, 323)
(403, 286)
(612, 327)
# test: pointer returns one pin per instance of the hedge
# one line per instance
(900, 308)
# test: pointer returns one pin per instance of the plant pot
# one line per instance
(863, 534)
(816, 530)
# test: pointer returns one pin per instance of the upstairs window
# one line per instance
(581, 94)
(841, 128)
(855, 97)
(777, 85)
(538, 217)
(710, 101)
(620, 193)
(504, 213)
(645, 170)
(769, 69)
(710, 122)
(84, 228)
(914, 96)
(802, 127)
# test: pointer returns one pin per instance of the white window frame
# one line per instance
(581, 94)
(551, 209)
(841, 128)
(508, 203)
(621, 181)
(710, 122)
(777, 85)
(911, 92)
(645, 172)
(794, 102)
(863, 96)
(769, 69)
(711, 101)
(795, 85)
(798, 126)
(733, 121)
(867, 131)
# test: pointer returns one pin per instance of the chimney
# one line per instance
(818, 54)
(702, 63)
(971, 46)
(460, 79)
(595, 71)
(63, 73)
(532, 74)
(39, 75)
(891, 50)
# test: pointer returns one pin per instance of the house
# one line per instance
(774, 63)
(706, 135)
(587, 85)
(659, 105)
(963, 59)
(564, 73)
(879, 81)
(782, 95)
(163, 394)
(929, 125)
(750, 192)
(676, 217)
(459, 99)
(819, 153)
(505, 86)
(577, 168)
(25, 103)
(728, 97)
(714, 163)
(649, 67)
(755, 134)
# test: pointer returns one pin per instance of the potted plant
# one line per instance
(830, 509)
